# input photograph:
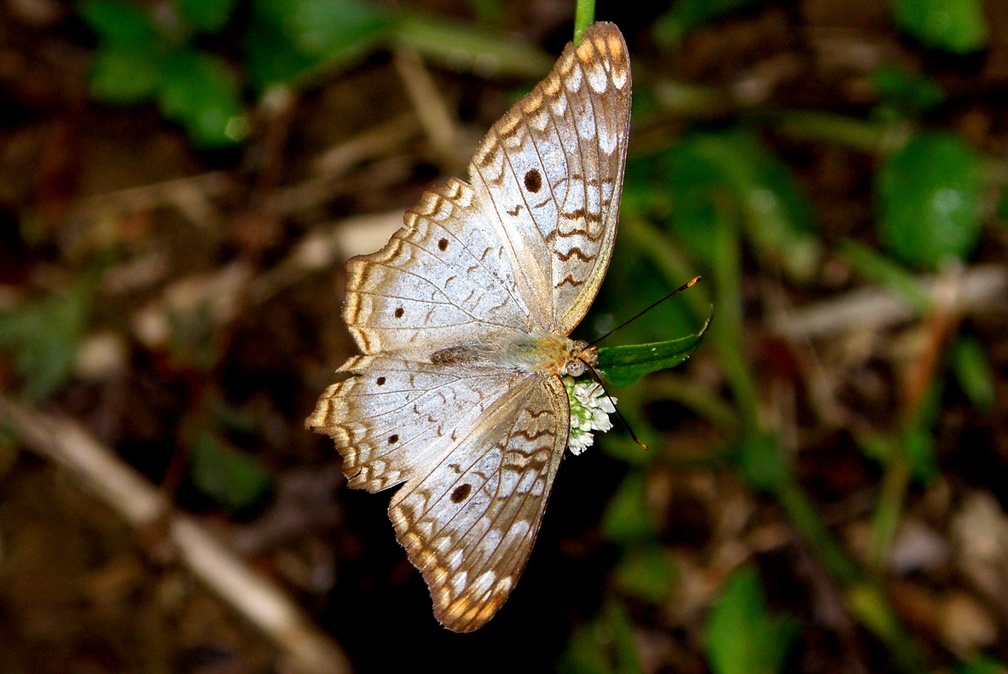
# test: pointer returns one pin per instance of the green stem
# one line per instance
(584, 16)
(870, 137)
(728, 330)
(886, 519)
(865, 600)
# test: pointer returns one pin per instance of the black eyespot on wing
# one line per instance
(442, 244)
(460, 493)
(380, 381)
(394, 438)
(533, 180)
(399, 312)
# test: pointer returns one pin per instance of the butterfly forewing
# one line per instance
(553, 169)
(464, 319)
(469, 524)
(441, 280)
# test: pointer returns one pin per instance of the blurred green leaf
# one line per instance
(207, 16)
(45, 337)
(119, 24)
(907, 90)
(604, 646)
(125, 74)
(929, 200)
(465, 47)
(957, 26)
(685, 16)
(763, 463)
(918, 445)
(973, 370)
(199, 91)
(625, 365)
(229, 477)
(628, 517)
(270, 58)
(648, 574)
(983, 664)
(714, 177)
(302, 35)
(741, 635)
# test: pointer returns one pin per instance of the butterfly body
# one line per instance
(550, 354)
(463, 321)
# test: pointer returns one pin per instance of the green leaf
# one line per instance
(763, 463)
(628, 518)
(207, 16)
(957, 26)
(713, 179)
(119, 24)
(973, 370)
(304, 35)
(228, 476)
(625, 365)
(983, 664)
(741, 635)
(685, 16)
(918, 446)
(271, 59)
(648, 574)
(199, 91)
(929, 200)
(45, 337)
(604, 646)
(125, 74)
(907, 90)
(324, 27)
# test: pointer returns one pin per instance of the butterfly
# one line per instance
(463, 321)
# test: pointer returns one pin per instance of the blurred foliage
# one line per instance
(743, 637)
(604, 646)
(905, 91)
(685, 16)
(226, 475)
(929, 200)
(45, 336)
(973, 371)
(956, 26)
(141, 59)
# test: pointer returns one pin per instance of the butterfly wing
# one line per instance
(442, 280)
(395, 418)
(468, 520)
(551, 173)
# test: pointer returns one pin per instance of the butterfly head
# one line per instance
(580, 356)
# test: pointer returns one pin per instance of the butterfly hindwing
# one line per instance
(469, 523)
(395, 418)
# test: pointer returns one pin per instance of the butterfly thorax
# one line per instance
(551, 354)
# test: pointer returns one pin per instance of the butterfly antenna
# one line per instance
(689, 284)
(626, 424)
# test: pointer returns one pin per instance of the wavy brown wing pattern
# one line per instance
(553, 169)
(463, 320)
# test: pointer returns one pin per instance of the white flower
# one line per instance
(590, 407)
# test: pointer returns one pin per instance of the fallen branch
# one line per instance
(67, 444)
